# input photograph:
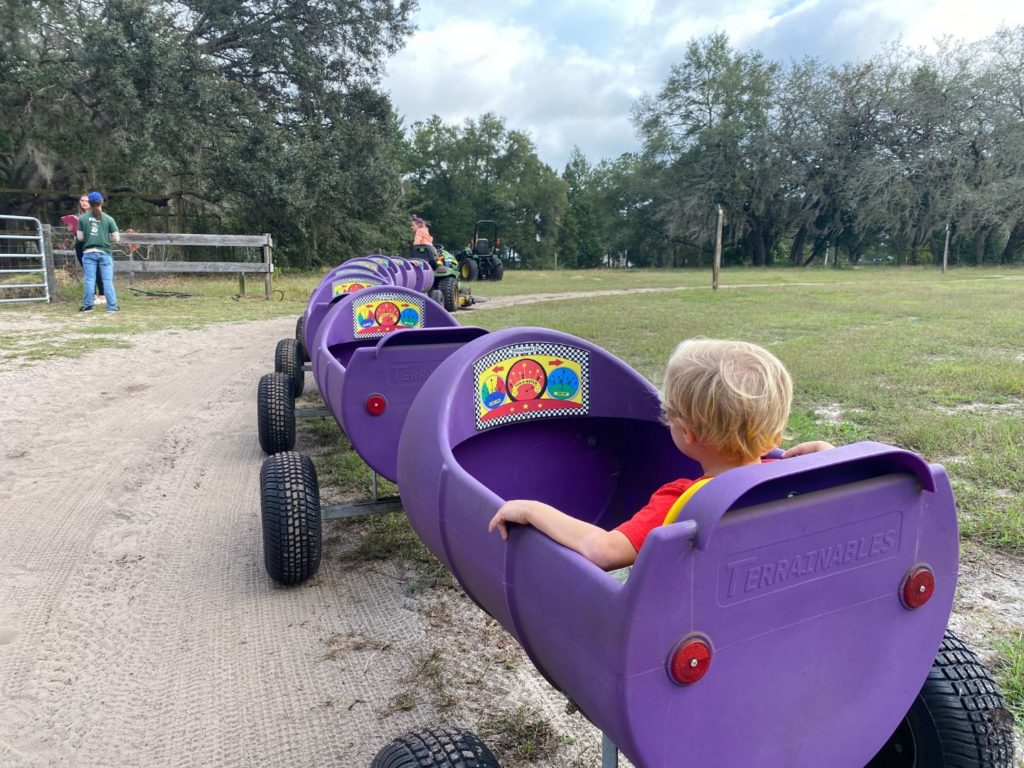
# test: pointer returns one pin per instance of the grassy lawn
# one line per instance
(931, 365)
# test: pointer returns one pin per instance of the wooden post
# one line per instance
(241, 283)
(945, 251)
(50, 276)
(268, 259)
(718, 251)
(131, 273)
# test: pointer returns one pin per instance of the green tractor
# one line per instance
(481, 260)
(446, 289)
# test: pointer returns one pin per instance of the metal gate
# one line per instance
(22, 252)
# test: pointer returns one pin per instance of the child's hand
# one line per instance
(515, 511)
(804, 448)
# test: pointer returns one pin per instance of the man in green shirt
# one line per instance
(96, 231)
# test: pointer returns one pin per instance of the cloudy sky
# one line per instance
(568, 71)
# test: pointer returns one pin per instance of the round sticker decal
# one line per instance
(492, 391)
(526, 380)
(563, 383)
(386, 314)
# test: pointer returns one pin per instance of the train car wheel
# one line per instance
(300, 338)
(436, 748)
(290, 512)
(959, 720)
(287, 360)
(275, 413)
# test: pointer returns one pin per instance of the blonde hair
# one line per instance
(732, 394)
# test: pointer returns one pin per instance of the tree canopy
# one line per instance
(257, 116)
(874, 157)
(458, 175)
(227, 116)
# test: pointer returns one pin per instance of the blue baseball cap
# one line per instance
(95, 197)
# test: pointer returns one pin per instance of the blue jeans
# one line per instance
(104, 262)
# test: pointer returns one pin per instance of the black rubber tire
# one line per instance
(959, 720)
(498, 272)
(449, 293)
(275, 413)
(436, 296)
(290, 510)
(436, 748)
(288, 362)
(469, 270)
(300, 339)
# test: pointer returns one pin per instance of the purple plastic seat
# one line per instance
(792, 573)
(379, 265)
(339, 282)
(424, 274)
(382, 265)
(374, 350)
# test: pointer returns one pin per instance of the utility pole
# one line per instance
(945, 251)
(718, 251)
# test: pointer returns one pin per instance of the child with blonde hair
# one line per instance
(726, 404)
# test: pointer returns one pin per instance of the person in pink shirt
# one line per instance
(420, 233)
(71, 221)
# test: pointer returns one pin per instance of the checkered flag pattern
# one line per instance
(377, 298)
(541, 352)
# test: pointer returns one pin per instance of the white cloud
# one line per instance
(568, 73)
(558, 93)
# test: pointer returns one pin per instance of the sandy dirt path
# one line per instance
(138, 627)
(137, 624)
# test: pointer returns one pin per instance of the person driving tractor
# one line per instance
(420, 233)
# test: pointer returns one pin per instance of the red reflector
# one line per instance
(376, 405)
(918, 587)
(690, 661)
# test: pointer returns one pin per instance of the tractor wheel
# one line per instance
(498, 272)
(275, 413)
(450, 293)
(959, 720)
(436, 748)
(288, 361)
(300, 339)
(436, 295)
(469, 270)
(290, 509)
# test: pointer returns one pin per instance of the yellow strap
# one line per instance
(677, 507)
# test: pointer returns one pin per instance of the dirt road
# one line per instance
(137, 626)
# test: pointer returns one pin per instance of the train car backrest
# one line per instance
(364, 316)
(792, 541)
(344, 281)
(821, 584)
(379, 265)
(545, 415)
(426, 252)
(382, 381)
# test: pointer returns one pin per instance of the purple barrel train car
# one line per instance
(796, 617)
(790, 620)
(277, 391)
(374, 350)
